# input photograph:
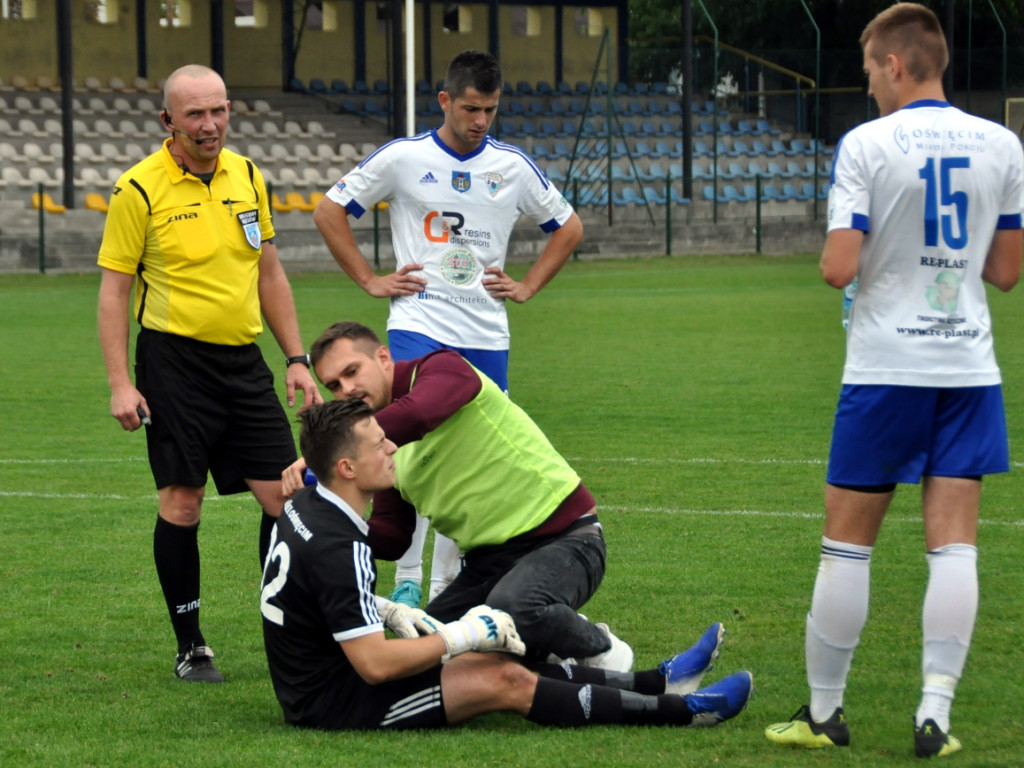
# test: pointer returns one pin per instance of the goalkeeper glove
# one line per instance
(405, 621)
(482, 629)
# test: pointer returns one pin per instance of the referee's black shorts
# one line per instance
(214, 409)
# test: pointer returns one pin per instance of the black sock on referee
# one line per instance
(176, 553)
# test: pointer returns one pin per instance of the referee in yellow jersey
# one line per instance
(190, 226)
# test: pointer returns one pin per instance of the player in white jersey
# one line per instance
(925, 206)
(454, 195)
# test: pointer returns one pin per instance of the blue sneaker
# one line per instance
(720, 701)
(683, 672)
(408, 593)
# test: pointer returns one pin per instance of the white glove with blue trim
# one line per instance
(483, 629)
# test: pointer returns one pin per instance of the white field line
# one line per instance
(213, 497)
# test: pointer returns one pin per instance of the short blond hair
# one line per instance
(914, 32)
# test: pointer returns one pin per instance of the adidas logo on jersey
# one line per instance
(428, 179)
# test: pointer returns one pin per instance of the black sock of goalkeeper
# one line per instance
(649, 681)
(573, 705)
(176, 554)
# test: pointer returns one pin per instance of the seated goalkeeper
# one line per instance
(333, 668)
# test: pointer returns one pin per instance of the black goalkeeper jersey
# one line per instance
(318, 590)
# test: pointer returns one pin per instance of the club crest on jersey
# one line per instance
(250, 221)
(461, 181)
(494, 182)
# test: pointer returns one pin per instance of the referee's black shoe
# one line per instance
(196, 665)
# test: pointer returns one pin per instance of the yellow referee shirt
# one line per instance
(194, 248)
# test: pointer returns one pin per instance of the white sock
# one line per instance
(947, 619)
(409, 566)
(839, 610)
(446, 564)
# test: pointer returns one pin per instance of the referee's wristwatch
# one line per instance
(304, 359)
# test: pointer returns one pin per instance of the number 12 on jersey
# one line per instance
(940, 192)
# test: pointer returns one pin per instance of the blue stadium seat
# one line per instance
(563, 88)
(807, 190)
(512, 108)
(648, 128)
(758, 147)
(776, 171)
(700, 149)
(749, 192)
(635, 109)
(677, 197)
(754, 169)
(740, 149)
(540, 151)
(708, 193)
(582, 87)
(725, 128)
(641, 149)
(554, 173)
(668, 128)
(380, 87)
(361, 88)
(546, 128)
(823, 190)
(317, 85)
(671, 108)
(659, 88)
(557, 108)
(544, 88)
(295, 84)
(629, 196)
(790, 191)
(523, 88)
(793, 169)
(560, 150)
(621, 88)
(737, 171)
(705, 127)
(654, 172)
(339, 86)
(799, 148)
(771, 192)
(623, 174)
(744, 127)
(653, 195)
(782, 149)
(765, 128)
(422, 88)
(663, 149)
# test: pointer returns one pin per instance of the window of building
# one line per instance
(589, 23)
(101, 11)
(458, 18)
(176, 13)
(525, 21)
(251, 13)
(17, 9)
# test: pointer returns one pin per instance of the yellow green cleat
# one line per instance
(802, 731)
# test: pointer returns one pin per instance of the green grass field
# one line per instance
(693, 395)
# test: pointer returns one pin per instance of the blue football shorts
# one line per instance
(493, 363)
(896, 434)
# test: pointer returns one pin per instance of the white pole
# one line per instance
(410, 68)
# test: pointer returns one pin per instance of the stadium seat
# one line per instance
(338, 85)
(642, 149)
(790, 191)
(629, 196)
(758, 147)
(47, 203)
(776, 171)
(754, 169)
(654, 172)
(782, 149)
(737, 171)
(653, 195)
(278, 205)
(823, 190)
(317, 86)
(745, 128)
(700, 149)
(771, 192)
(94, 201)
(807, 190)
(298, 202)
(623, 174)
(764, 127)
(794, 169)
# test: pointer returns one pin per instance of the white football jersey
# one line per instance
(928, 185)
(454, 215)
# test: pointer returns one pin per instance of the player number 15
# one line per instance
(942, 193)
